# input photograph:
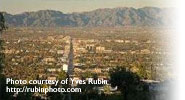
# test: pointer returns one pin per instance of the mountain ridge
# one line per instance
(121, 16)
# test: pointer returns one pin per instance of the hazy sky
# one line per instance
(68, 6)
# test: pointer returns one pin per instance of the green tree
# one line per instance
(142, 72)
(88, 90)
(26, 95)
(2, 22)
(126, 81)
(56, 95)
(3, 94)
(62, 75)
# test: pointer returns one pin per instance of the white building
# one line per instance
(65, 67)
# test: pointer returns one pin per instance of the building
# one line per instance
(100, 49)
(65, 67)
(90, 48)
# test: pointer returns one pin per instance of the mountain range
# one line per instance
(125, 16)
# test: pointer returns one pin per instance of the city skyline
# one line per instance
(69, 6)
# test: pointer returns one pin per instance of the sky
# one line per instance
(69, 6)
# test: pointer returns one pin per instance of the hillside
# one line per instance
(147, 16)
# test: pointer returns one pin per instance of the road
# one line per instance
(70, 59)
(70, 66)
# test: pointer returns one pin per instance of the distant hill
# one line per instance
(148, 16)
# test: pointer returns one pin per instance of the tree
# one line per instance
(89, 91)
(2, 27)
(56, 95)
(2, 22)
(142, 72)
(3, 94)
(62, 75)
(26, 95)
(126, 81)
